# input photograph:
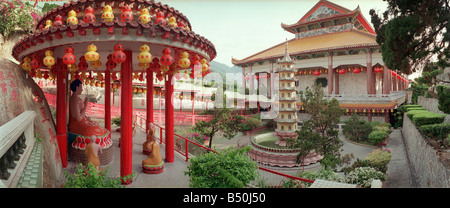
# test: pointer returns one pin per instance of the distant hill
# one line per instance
(222, 69)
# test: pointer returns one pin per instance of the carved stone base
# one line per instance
(154, 169)
(77, 155)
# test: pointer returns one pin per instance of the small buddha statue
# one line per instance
(91, 152)
(154, 163)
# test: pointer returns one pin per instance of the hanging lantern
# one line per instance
(26, 65)
(72, 19)
(46, 76)
(136, 75)
(126, 14)
(144, 57)
(72, 67)
(356, 70)
(107, 15)
(145, 16)
(166, 59)
(38, 74)
(49, 61)
(91, 55)
(316, 73)
(378, 70)
(118, 56)
(68, 58)
(195, 64)
(341, 71)
(58, 21)
(99, 76)
(184, 61)
(83, 65)
(160, 19)
(48, 24)
(35, 62)
(172, 22)
(110, 63)
(155, 66)
(96, 64)
(114, 76)
(141, 76)
(89, 16)
(204, 65)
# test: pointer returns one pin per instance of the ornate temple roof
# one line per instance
(326, 42)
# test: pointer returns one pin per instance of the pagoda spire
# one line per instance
(286, 59)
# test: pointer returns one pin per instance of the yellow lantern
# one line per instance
(72, 19)
(204, 65)
(96, 64)
(91, 55)
(72, 67)
(172, 22)
(144, 56)
(184, 61)
(144, 65)
(48, 24)
(38, 74)
(144, 17)
(102, 84)
(49, 61)
(100, 76)
(134, 89)
(26, 64)
(97, 83)
(107, 15)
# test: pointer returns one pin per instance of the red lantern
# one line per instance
(160, 18)
(118, 56)
(378, 70)
(356, 70)
(89, 16)
(155, 65)
(46, 76)
(68, 58)
(316, 73)
(196, 62)
(110, 63)
(167, 59)
(83, 65)
(341, 71)
(58, 21)
(126, 14)
(35, 63)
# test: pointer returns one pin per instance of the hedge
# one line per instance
(376, 137)
(443, 93)
(436, 131)
(410, 114)
(427, 118)
(415, 108)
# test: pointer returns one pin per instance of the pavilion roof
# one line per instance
(328, 42)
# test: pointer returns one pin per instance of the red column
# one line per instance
(61, 109)
(149, 81)
(386, 81)
(169, 120)
(370, 74)
(108, 101)
(330, 74)
(394, 83)
(126, 134)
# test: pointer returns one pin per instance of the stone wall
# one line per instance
(431, 104)
(429, 171)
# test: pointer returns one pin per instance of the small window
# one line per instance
(282, 127)
(290, 128)
(282, 116)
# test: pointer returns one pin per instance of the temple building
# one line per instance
(337, 48)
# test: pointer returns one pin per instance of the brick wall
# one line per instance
(429, 171)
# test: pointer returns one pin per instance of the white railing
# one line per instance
(16, 142)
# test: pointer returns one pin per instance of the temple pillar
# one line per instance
(370, 73)
(336, 83)
(126, 108)
(369, 115)
(108, 101)
(61, 110)
(394, 82)
(330, 74)
(386, 116)
(386, 81)
(169, 119)
(252, 81)
(149, 80)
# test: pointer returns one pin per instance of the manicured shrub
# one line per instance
(443, 93)
(325, 174)
(376, 137)
(416, 108)
(436, 131)
(379, 159)
(427, 118)
(410, 114)
(364, 176)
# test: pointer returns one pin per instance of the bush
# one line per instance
(379, 159)
(443, 93)
(415, 108)
(249, 124)
(427, 118)
(376, 137)
(436, 131)
(15, 15)
(116, 121)
(364, 176)
(229, 168)
(356, 129)
(89, 177)
(410, 114)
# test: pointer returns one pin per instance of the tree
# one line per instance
(222, 121)
(229, 168)
(318, 132)
(17, 16)
(411, 32)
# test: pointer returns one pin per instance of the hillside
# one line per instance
(222, 69)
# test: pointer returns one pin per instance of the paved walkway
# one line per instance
(398, 174)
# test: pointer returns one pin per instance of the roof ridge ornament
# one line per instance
(286, 59)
